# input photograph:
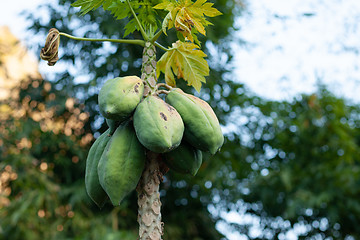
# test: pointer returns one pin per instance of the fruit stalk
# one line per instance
(149, 204)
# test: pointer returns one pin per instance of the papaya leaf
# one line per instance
(143, 9)
(186, 61)
(88, 5)
(120, 10)
(186, 15)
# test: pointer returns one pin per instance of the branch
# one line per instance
(143, 33)
(129, 41)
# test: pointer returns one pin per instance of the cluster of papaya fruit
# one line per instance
(179, 128)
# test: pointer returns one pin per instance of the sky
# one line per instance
(9, 14)
(291, 47)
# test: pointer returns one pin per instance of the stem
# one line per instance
(160, 46)
(162, 92)
(143, 33)
(156, 36)
(163, 85)
(129, 41)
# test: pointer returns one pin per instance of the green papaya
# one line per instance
(121, 164)
(158, 125)
(119, 97)
(202, 128)
(112, 124)
(92, 184)
(184, 159)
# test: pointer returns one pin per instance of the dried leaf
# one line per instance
(50, 51)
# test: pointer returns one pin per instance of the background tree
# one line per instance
(309, 168)
(287, 164)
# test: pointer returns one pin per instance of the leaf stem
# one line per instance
(161, 46)
(156, 36)
(143, 33)
(129, 41)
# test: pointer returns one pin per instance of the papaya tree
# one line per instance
(153, 125)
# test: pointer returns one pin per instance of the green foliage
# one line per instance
(312, 158)
(147, 15)
(297, 164)
(88, 5)
(184, 59)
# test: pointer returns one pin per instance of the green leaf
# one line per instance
(88, 5)
(144, 10)
(119, 9)
(186, 61)
(130, 27)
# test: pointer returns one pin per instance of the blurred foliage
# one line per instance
(309, 171)
(43, 143)
(301, 162)
(287, 165)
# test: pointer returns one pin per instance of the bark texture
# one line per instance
(149, 211)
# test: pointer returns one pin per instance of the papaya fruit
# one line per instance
(92, 184)
(112, 124)
(121, 164)
(184, 159)
(119, 97)
(202, 128)
(158, 125)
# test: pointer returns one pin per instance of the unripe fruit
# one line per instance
(121, 164)
(158, 125)
(202, 128)
(119, 97)
(92, 184)
(184, 159)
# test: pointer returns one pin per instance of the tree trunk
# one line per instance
(149, 214)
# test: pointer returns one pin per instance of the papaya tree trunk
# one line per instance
(149, 204)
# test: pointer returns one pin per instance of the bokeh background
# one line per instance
(284, 83)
